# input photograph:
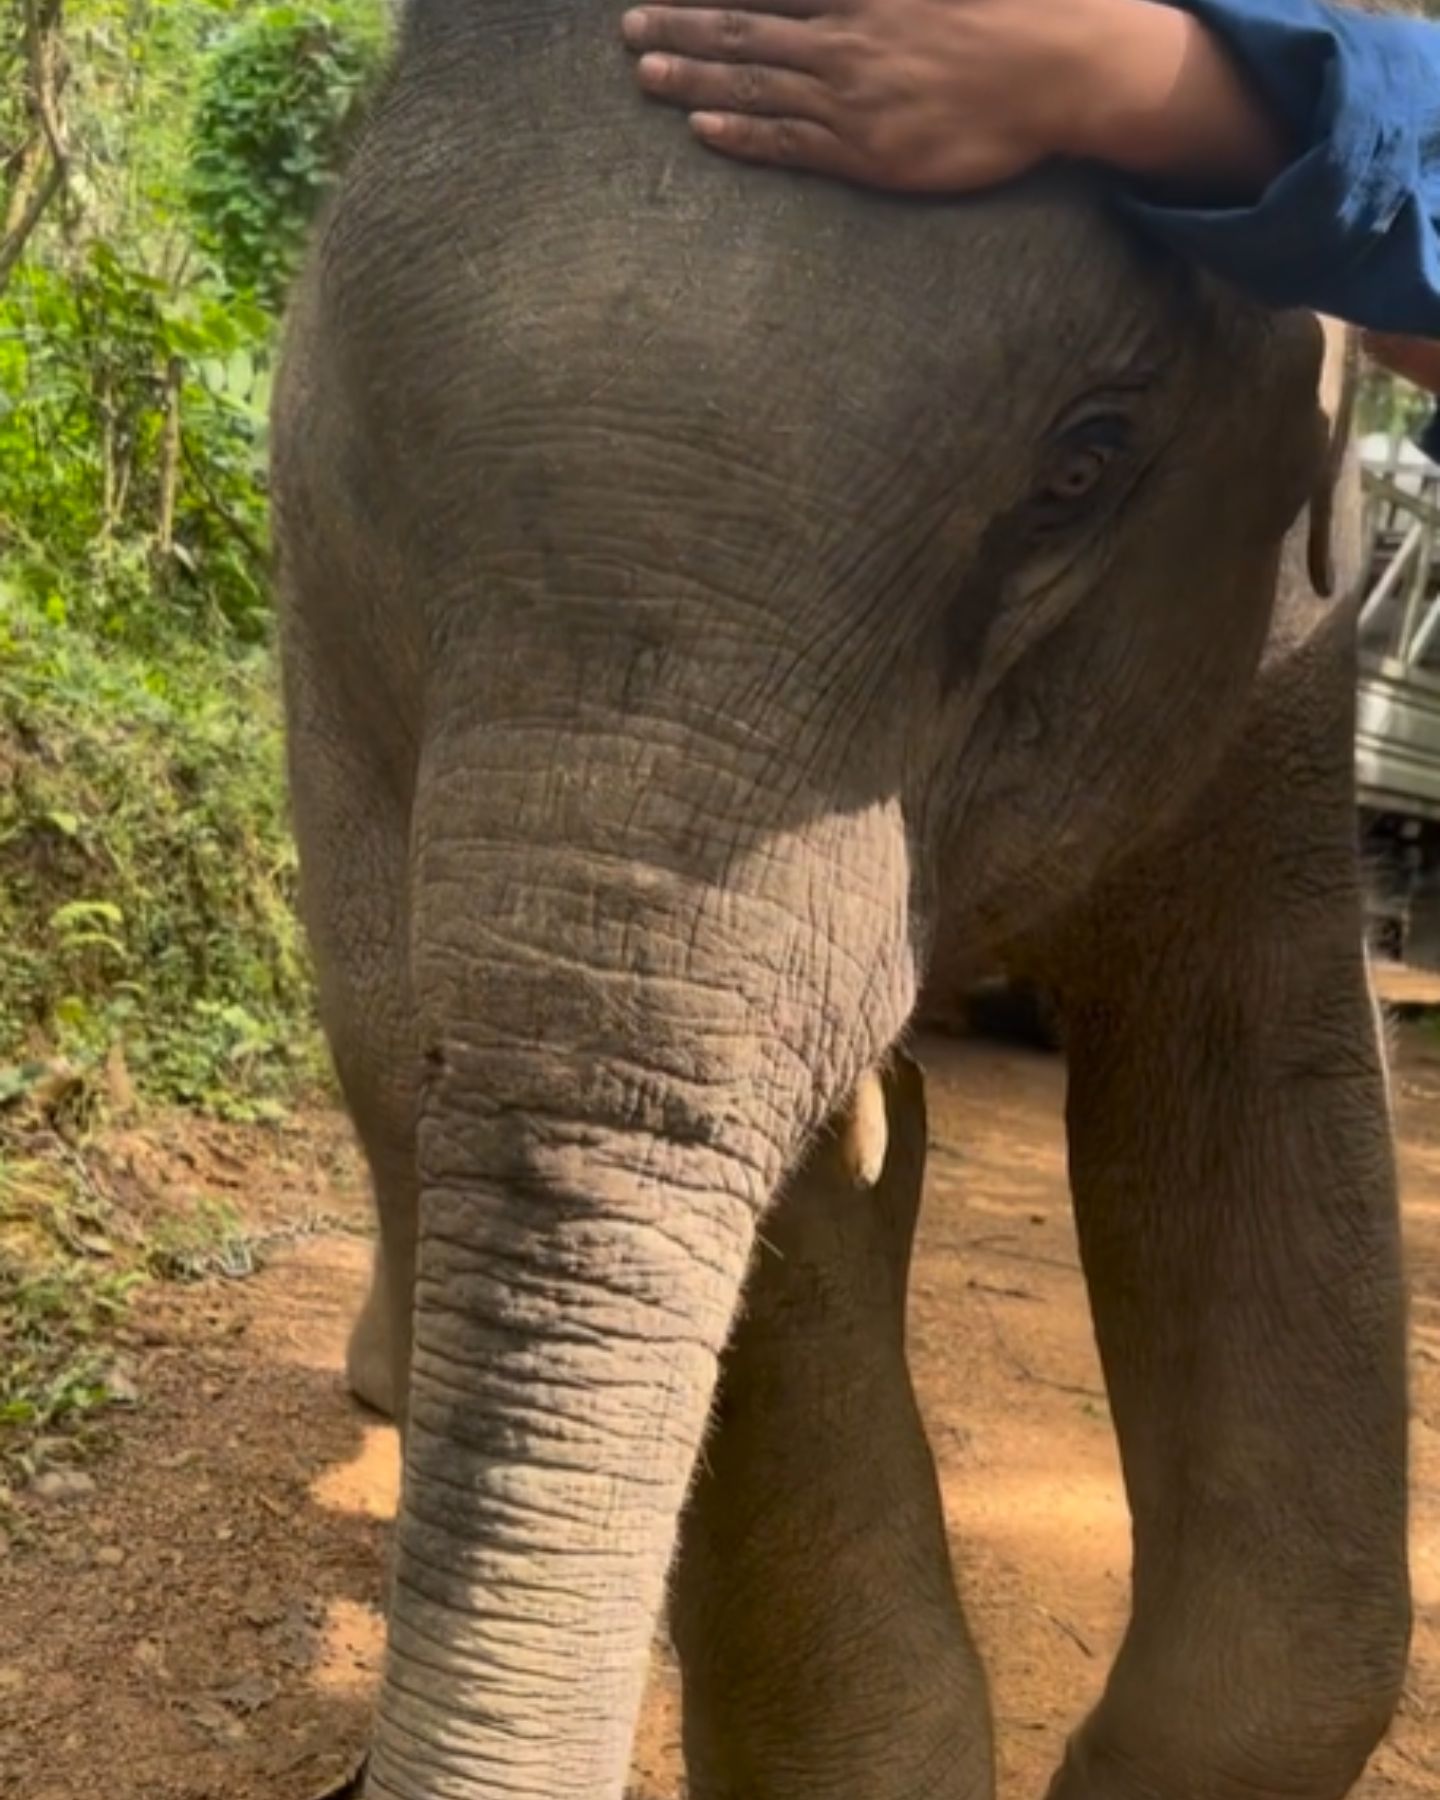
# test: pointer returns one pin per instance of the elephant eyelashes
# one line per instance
(1078, 465)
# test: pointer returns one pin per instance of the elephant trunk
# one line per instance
(569, 1317)
(626, 1047)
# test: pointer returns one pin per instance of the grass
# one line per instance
(72, 1259)
(151, 959)
(81, 1239)
(146, 869)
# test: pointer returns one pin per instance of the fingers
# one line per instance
(748, 74)
(732, 36)
(719, 88)
(786, 143)
(756, 9)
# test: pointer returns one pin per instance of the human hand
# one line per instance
(951, 95)
(916, 94)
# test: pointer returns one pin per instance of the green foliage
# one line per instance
(150, 951)
(1390, 405)
(63, 1289)
(131, 439)
(279, 100)
(210, 1240)
(73, 1255)
(146, 869)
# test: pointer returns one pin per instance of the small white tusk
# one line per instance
(865, 1132)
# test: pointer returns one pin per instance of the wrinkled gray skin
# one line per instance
(712, 606)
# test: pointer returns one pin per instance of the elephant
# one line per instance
(715, 610)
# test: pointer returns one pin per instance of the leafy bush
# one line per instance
(131, 438)
(146, 869)
(145, 863)
(279, 99)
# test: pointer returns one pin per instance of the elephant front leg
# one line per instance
(1235, 1200)
(823, 1649)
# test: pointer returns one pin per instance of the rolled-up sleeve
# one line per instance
(1351, 227)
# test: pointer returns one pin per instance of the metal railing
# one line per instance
(1400, 617)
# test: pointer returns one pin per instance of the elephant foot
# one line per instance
(863, 1132)
(369, 1364)
(1213, 1764)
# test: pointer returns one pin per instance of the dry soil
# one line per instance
(202, 1624)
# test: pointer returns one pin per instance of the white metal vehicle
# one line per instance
(1397, 745)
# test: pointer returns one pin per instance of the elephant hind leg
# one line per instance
(823, 1648)
(354, 835)
(370, 1353)
(373, 1039)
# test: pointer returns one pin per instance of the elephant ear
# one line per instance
(1339, 392)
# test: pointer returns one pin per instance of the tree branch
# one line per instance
(31, 193)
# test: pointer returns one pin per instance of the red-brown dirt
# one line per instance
(204, 1625)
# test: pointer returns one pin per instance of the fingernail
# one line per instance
(633, 25)
(708, 125)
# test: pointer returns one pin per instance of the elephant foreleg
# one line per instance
(1235, 1200)
(823, 1650)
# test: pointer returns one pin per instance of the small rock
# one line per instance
(62, 1484)
(121, 1386)
(218, 1724)
(248, 1694)
(48, 1450)
(109, 1556)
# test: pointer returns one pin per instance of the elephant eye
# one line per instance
(1078, 465)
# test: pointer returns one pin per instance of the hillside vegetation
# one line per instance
(160, 161)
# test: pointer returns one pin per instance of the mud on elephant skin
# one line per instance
(710, 607)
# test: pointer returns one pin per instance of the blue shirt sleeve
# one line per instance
(1351, 227)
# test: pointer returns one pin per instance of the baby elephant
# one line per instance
(711, 611)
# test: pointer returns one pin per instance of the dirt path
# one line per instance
(203, 1625)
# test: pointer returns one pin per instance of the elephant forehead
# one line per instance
(863, 305)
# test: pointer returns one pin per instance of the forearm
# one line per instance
(1168, 105)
